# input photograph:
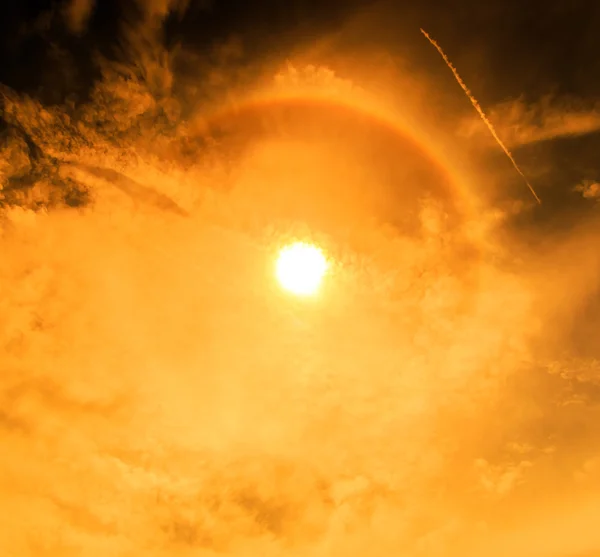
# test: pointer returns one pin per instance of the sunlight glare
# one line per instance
(300, 268)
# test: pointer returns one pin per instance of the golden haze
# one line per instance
(162, 396)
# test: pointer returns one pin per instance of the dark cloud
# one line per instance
(77, 14)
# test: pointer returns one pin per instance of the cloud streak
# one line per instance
(482, 115)
(521, 123)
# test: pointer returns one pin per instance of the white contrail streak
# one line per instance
(481, 113)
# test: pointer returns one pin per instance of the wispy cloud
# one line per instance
(162, 8)
(521, 123)
(77, 14)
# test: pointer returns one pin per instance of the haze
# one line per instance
(161, 395)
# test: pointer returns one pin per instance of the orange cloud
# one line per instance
(77, 14)
(519, 123)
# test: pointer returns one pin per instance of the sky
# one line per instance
(533, 64)
(160, 394)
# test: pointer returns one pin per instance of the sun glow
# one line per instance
(300, 268)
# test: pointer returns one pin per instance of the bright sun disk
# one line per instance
(300, 268)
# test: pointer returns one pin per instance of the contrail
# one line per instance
(481, 113)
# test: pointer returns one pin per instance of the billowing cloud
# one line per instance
(589, 189)
(161, 395)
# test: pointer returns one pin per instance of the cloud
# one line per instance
(77, 14)
(519, 123)
(162, 8)
(589, 189)
(159, 394)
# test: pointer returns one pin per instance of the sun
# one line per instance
(300, 268)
